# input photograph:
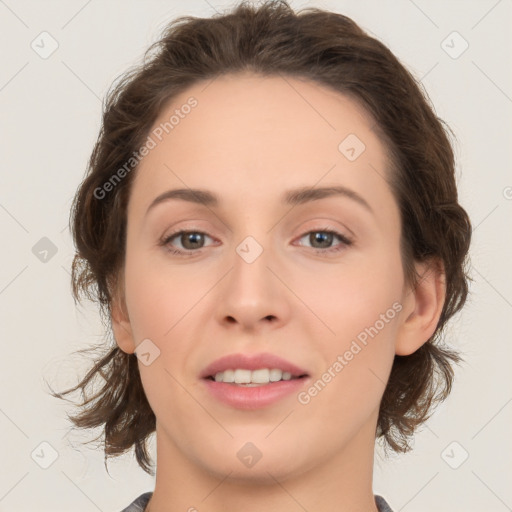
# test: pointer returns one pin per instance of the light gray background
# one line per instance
(50, 117)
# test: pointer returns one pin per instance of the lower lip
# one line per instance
(256, 397)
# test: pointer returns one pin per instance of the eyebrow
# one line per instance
(293, 197)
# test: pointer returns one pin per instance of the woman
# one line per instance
(270, 224)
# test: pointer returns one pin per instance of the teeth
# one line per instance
(229, 376)
(242, 376)
(255, 377)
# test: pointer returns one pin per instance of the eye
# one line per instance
(193, 241)
(190, 241)
(323, 240)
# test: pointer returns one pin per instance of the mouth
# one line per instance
(253, 381)
(262, 368)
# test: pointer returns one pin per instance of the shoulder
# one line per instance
(382, 504)
(139, 504)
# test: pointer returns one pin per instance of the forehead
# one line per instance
(248, 133)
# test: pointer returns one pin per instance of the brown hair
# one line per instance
(329, 49)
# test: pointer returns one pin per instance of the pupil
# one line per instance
(193, 238)
(318, 236)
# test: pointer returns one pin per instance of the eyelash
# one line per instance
(165, 241)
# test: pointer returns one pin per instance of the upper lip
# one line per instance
(251, 362)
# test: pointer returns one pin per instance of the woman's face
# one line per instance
(262, 275)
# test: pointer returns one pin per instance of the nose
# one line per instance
(253, 294)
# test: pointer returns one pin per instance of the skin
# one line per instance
(249, 140)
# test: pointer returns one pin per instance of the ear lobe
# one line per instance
(422, 308)
(121, 326)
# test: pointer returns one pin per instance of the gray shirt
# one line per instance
(140, 503)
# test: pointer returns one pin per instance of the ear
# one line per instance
(120, 322)
(423, 305)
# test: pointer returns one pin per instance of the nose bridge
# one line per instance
(251, 276)
(252, 292)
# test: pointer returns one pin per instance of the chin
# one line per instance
(261, 473)
(259, 462)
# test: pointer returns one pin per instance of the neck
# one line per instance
(334, 483)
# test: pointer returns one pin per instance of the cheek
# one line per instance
(361, 307)
(160, 302)
(357, 358)
(350, 297)
(159, 296)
